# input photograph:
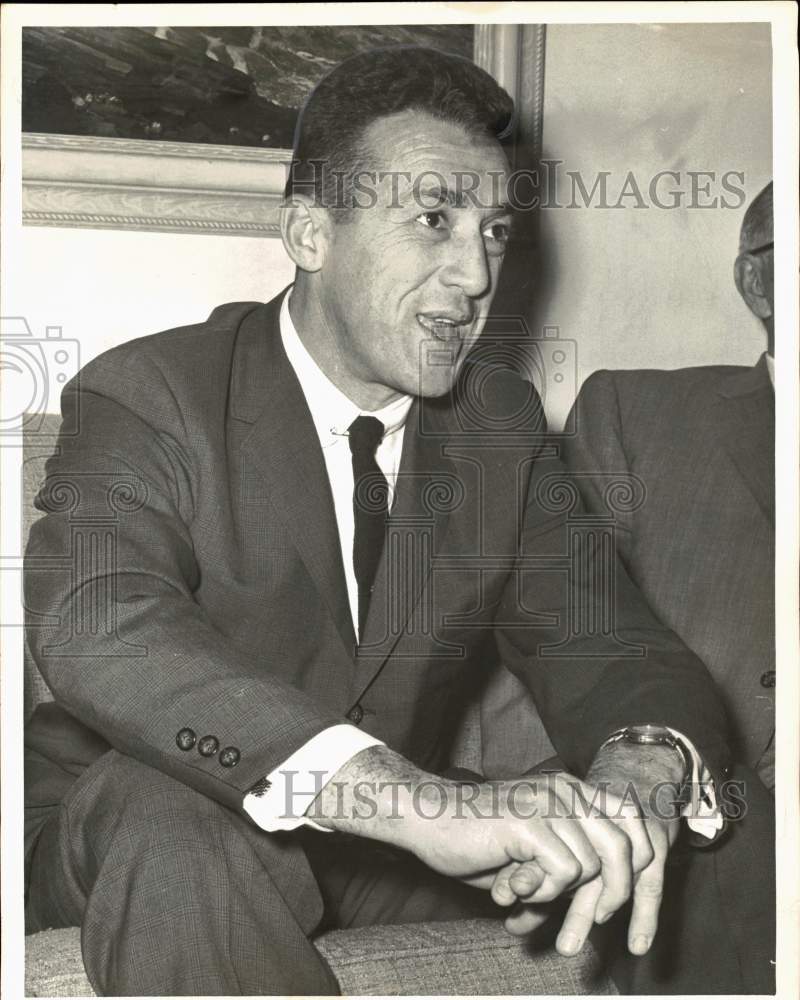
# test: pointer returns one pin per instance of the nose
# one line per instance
(468, 267)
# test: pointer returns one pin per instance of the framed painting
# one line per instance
(190, 129)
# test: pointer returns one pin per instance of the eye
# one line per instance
(497, 235)
(432, 220)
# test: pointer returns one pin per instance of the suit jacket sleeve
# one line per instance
(595, 453)
(592, 671)
(133, 655)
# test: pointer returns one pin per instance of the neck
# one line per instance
(319, 337)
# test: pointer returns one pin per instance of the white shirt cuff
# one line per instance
(292, 787)
(701, 812)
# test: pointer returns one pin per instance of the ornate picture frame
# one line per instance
(148, 185)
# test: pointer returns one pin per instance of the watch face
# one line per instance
(649, 734)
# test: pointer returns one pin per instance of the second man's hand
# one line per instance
(633, 787)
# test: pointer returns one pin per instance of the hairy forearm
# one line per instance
(378, 794)
(646, 775)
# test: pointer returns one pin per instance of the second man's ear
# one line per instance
(305, 231)
(749, 281)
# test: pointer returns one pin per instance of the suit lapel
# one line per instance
(416, 529)
(284, 449)
(748, 404)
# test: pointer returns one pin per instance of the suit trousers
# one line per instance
(178, 895)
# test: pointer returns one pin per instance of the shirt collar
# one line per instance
(331, 411)
(771, 369)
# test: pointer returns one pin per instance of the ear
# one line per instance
(747, 274)
(305, 230)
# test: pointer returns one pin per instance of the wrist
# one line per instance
(647, 779)
(376, 794)
(630, 762)
(671, 759)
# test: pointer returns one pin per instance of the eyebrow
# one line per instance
(433, 195)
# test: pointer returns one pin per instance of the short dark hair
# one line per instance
(328, 141)
(756, 229)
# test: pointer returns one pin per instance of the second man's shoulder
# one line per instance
(654, 389)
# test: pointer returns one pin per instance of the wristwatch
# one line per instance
(659, 736)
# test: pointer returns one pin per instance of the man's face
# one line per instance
(767, 261)
(407, 282)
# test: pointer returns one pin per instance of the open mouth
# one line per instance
(445, 328)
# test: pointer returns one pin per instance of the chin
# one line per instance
(433, 388)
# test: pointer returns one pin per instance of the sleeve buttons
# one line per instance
(186, 738)
(229, 756)
(208, 746)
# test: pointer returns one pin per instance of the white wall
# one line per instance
(105, 287)
(652, 287)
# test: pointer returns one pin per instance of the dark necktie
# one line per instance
(370, 508)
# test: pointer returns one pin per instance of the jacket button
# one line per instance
(208, 746)
(356, 714)
(768, 679)
(229, 756)
(186, 738)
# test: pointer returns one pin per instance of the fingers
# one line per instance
(502, 893)
(517, 881)
(596, 901)
(648, 892)
(566, 858)
(575, 845)
(525, 919)
(614, 851)
(643, 853)
(526, 880)
(483, 880)
(579, 919)
(615, 848)
(513, 882)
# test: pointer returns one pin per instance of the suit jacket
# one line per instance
(699, 541)
(702, 544)
(202, 584)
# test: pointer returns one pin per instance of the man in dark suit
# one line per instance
(701, 547)
(247, 652)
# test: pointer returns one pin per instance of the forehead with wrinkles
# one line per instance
(435, 162)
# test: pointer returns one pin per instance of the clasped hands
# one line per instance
(599, 846)
(527, 841)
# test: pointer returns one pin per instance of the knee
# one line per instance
(121, 810)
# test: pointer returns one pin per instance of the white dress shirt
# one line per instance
(297, 781)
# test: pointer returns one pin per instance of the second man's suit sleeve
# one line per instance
(598, 659)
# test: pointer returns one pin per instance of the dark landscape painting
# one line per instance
(237, 86)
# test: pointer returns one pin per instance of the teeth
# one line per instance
(441, 327)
